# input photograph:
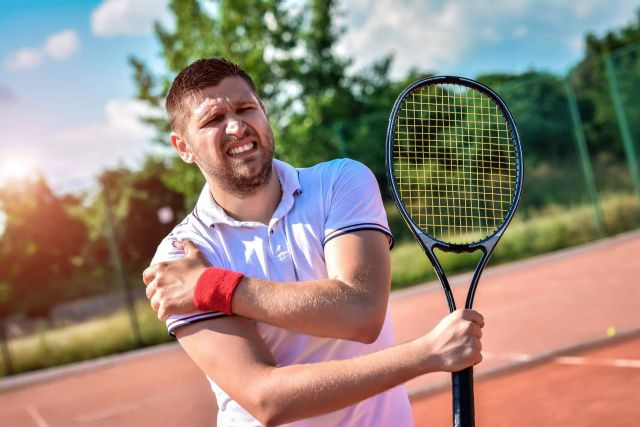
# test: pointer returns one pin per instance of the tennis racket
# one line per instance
(454, 165)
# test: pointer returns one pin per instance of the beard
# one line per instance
(245, 179)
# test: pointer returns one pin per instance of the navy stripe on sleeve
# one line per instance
(359, 227)
(190, 320)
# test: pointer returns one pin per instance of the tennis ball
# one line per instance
(611, 331)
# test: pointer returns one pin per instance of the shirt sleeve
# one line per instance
(354, 202)
(168, 252)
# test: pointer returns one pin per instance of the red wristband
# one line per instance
(215, 289)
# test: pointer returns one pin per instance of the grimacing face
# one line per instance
(227, 134)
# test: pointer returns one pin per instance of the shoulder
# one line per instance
(191, 228)
(334, 170)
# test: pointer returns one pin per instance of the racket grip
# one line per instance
(463, 412)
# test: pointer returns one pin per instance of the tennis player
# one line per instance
(277, 284)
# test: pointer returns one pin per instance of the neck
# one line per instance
(257, 207)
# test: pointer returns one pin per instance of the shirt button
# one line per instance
(271, 231)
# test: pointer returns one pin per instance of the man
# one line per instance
(302, 263)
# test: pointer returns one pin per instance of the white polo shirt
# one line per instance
(318, 204)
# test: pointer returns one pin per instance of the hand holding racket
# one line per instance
(454, 165)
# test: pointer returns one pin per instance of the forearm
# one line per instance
(328, 308)
(232, 353)
(295, 392)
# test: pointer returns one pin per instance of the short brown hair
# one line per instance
(197, 76)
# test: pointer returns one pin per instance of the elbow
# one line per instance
(268, 420)
(368, 328)
(271, 422)
(271, 416)
(267, 410)
(368, 335)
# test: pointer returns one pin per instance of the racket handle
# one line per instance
(463, 413)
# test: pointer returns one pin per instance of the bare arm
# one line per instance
(350, 304)
(247, 371)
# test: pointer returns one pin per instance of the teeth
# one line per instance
(241, 149)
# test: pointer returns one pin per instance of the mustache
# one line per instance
(230, 139)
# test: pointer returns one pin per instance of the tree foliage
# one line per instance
(42, 248)
(318, 108)
(136, 201)
(592, 85)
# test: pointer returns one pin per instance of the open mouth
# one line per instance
(241, 149)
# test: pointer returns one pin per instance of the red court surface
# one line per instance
(544, 316)
(592, 388)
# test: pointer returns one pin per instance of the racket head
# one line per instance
(454, 162)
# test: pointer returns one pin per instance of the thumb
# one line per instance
(189, 248)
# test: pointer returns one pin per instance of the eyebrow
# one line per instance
(212, 109)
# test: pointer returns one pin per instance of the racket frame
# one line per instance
(462, 382)
(427, 242)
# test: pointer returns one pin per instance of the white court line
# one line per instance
(519, 357)
(566, 360)
(618, 363)
(107, 413)
(35, 416)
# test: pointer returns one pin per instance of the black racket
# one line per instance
(454, 165)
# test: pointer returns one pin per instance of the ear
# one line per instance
(181, 146)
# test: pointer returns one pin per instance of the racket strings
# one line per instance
(454, 162)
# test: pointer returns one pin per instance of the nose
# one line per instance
(235, 126)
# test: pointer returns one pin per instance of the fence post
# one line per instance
(4, 346)
(587, 168)
(117, 264)
(627, 140)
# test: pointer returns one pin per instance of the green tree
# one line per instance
(539, 106)
(144, 212)
(259, 35)
(318, 108)
(593, 91)
(42, 248)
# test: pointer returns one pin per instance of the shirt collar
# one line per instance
(209, 212)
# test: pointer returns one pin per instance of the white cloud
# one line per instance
(58, 46)
(424, 35)
(24, 59)
(128, 17)
(119, 139)
(69, 156)
(469, 37)
(575, 43)
(62, 45)
(122, 123)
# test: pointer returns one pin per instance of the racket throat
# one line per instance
(480, 265)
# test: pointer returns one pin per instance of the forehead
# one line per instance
(229, 90)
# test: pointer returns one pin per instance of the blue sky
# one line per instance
(66, 89)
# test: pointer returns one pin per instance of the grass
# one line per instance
(84, 341)
(531, 233)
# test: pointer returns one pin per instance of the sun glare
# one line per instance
(17, 167)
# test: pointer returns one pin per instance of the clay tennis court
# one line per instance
(549, 359)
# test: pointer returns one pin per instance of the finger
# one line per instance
(189, 248)
(148, 274)
(155, 303)
(150, 290)
(474, 317)
(475, 330)
(162, 313)
(478, 359)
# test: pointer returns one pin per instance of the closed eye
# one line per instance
(213, 120)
